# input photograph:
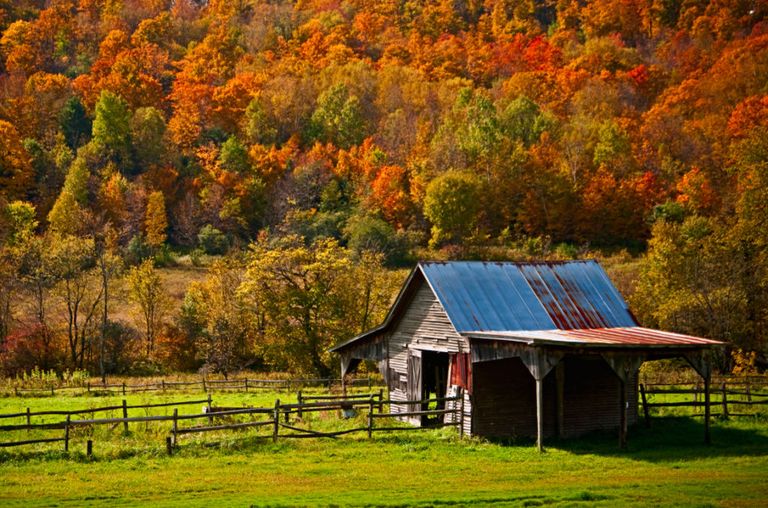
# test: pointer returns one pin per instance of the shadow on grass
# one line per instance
(678, 438)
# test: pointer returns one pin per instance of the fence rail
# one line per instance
(206, 385)
(739, 393)
(373, 401)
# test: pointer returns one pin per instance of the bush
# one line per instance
(212, 240)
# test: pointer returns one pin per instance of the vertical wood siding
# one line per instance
(505, 398)
(424, 325)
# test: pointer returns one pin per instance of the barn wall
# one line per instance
(592, 396)
(505, 398)
(423, 325)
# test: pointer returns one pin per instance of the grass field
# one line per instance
(667, 464)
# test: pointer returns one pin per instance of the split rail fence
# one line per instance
(278, 418)
(206, 385)
(733, 397)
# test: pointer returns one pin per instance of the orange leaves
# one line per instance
(696, 192)
(750, 113)
(16, 174)
(389, 193)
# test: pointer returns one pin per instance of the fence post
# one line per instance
(210, 416)
(645, 406)
(461, 414)
(370, 416)
(298, 411)
(246, 385)
(205, 389)
(162, 383)
(125, 416)
(52, 392)
(89, 387)
(381, 400)
(175, 424)
(725, 402)
(123, 388)
(168, 445)
(276, 422)
(29, 420)
(749, 395)
(370, 385)
(66, 434)
(89, 448)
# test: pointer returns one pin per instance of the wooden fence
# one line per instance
(738, 394)
(206, 385)
(278, 417)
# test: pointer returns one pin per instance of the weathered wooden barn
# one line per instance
(537, 349)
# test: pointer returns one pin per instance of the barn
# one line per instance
(535, 349)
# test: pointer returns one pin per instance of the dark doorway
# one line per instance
(434, 374)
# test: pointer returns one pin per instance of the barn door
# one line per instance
(414, 380)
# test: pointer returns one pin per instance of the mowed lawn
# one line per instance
(667, 464)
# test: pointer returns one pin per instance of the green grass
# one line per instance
(667, 464)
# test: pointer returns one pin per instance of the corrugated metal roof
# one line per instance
(495, 296)
(627, 336)
(558, 303)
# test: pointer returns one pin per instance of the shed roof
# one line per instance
(566, 303)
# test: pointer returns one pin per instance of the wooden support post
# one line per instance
(246, 385)
(29, 419)
(370, 383)
(381, 400)
(52, 392)
(622, 414)
(540, 414)
(276, 421)
(205, 388)
(646, 414)
(175, 425)
(125, 415)
(749, 395)
(299, 398)
(162, 384)
(707, 438)
(208, 406)
(89, 449)
(560, 379)
(66, 434)
(725, 402)
(123, 388)
(370, 417)
(461, 412)
(89, 386)
(169, 445)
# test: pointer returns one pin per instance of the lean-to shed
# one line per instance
(536, 349)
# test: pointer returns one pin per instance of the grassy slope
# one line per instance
(666, 464)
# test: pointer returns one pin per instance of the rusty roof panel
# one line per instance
(621, 336)
(494, 296)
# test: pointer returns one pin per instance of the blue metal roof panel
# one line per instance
(493, 296)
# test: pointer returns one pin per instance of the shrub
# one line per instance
(212, 240)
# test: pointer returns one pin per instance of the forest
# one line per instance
(284, 162)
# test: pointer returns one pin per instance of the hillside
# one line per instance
(441, 129)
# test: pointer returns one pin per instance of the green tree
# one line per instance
(451, 203)
(216, 312)
(303, 299)
(72, 260)
(338, 118)
(74, 123)
(146, 290)
(234, 156)
(147, 136)
(111, 127)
